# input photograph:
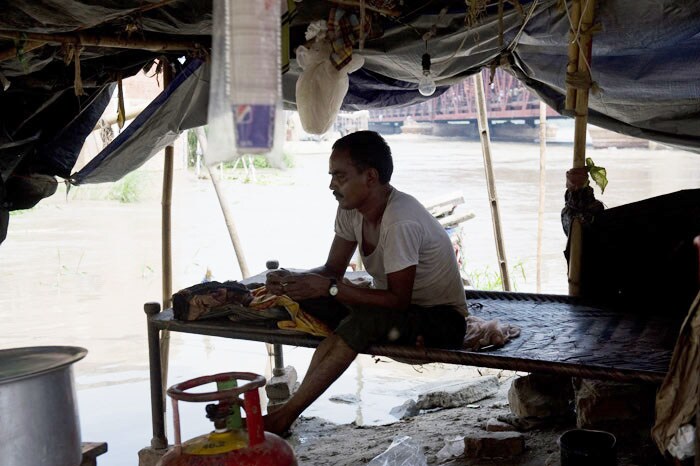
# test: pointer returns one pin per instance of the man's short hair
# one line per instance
(368, 149)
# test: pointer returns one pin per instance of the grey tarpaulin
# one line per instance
(182, 105)
(645, 61)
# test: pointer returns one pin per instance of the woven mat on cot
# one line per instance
(560, 335)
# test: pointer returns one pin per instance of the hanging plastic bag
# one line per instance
(404, 451)
(245, 113)
(321, 88)
(454, 447)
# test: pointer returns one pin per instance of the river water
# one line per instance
(77, 269)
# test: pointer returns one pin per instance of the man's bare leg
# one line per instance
(320, 353)
(330, 360)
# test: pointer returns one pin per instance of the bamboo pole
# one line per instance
(543, 184)
(152, 42)
(228, 217)
(11, 52)
(572, 53)
(166, 245)
(584, 60)
(274, 352)
(580, 125)
(490, 179)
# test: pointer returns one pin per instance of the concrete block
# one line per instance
(150, 456)
(459, 393)
(605, 405)
(406, 410)
(494, 445)
(280, 387)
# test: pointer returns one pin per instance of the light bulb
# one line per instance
(426, 85)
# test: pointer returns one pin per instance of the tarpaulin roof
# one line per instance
(645, 62)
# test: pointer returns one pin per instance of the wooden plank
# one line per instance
(91, 450)
(444, 204)
(455, 219)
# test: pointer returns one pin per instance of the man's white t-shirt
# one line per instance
(409, 235)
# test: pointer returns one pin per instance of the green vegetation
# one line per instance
(128, 189)
(490, 280)
(17, 213)
(191, 147)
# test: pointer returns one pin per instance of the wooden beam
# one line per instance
(12, 52)
(153, 43)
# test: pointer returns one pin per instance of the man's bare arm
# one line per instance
(312, 285)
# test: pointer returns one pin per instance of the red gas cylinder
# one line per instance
(230, 443)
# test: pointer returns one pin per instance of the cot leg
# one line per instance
(159, 441)
(279, 360)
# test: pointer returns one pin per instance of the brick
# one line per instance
(494, 445)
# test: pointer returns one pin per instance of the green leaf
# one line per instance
(599, 174)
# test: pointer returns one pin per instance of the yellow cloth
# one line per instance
(299, 320)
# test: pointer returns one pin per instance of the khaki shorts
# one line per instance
(362, 326)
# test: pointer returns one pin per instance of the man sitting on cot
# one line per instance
(417, 296)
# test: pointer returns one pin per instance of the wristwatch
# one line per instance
(333, 289)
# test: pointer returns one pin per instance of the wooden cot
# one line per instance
(559, 335)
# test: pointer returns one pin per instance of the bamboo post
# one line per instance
(228, 217)
(490, 180)
(572, 53)
(584, 60)
(583, 52)
(273, 351)
(166, 245)
(543, 184)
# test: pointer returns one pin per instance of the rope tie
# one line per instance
(576, 179)
(78, 82)
(71, 52)
(579, 80)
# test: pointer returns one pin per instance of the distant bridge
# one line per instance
(507, 99)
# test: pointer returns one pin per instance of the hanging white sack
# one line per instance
(321, 88)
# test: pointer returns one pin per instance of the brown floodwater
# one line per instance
(77, 269)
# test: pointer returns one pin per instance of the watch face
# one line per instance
(333, 290)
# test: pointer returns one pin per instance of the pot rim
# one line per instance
(38, 360)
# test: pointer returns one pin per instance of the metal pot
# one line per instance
(39, 423)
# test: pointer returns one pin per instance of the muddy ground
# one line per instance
(320, 443)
